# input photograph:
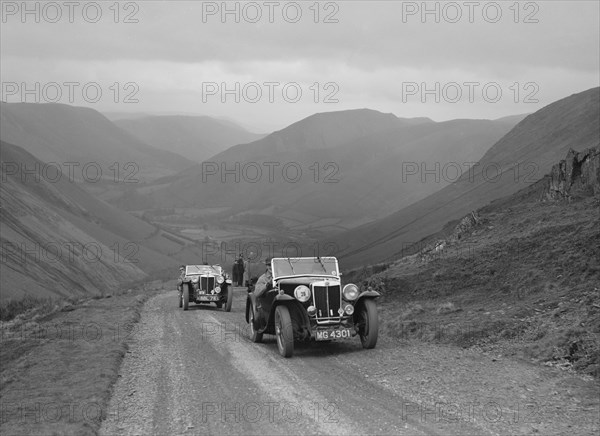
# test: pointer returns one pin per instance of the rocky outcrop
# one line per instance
(578, 174)
(436, 249)
(466, 226)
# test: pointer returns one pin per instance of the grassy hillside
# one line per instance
(83, 343)
(517, 160)
(58, 241)
(522, 279)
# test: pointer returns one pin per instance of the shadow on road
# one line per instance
(316, 349)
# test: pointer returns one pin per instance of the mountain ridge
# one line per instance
(338, 157)
(60, 133)
(522, 156)
(195, 137)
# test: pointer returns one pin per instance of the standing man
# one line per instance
(236, 272)
(240, 271)
(246, 276)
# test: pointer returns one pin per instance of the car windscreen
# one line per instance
(324, 266)
(202, 269)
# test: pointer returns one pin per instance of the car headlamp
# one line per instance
(195, 279)
(350, 292)
(220, 279)
(302, 293)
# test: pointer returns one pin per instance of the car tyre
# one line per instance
(229, 299)
(254, 335)
(186, 297)
(284, 331)
(368, 324)
(180, 298)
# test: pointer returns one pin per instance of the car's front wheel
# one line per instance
(186, 297)
(284, 331)
(180, 298)
(255, 336)
(368, 321)
(229, 299)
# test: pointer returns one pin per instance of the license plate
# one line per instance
(327, 335)
(209, 297)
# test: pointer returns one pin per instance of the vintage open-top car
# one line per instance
(306, 301)
(204, 284)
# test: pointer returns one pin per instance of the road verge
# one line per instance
(58, 369)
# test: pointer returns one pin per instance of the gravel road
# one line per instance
(196, 372)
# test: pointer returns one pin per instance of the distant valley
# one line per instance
(324, 174)
(358, 184)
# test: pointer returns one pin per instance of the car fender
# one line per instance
(283, 297)
(367, 294)
(278, 300)
(294, 306)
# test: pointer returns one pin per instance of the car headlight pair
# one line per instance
(302, 293)
(350, 292)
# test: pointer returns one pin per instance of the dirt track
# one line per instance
(196, 372)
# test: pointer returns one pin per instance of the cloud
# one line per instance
(369, 53)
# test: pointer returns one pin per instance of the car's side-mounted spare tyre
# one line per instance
(255, 336)
(229, 299)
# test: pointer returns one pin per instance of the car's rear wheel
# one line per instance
(284, 331)
(186, 297)
(229, 299)
(368, 324)
(254, 335)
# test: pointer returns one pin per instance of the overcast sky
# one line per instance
(481, 60)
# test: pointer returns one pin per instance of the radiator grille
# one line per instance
(207, 284)
(327, 301)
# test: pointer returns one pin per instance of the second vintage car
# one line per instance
(307, 302)
(204, 284)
